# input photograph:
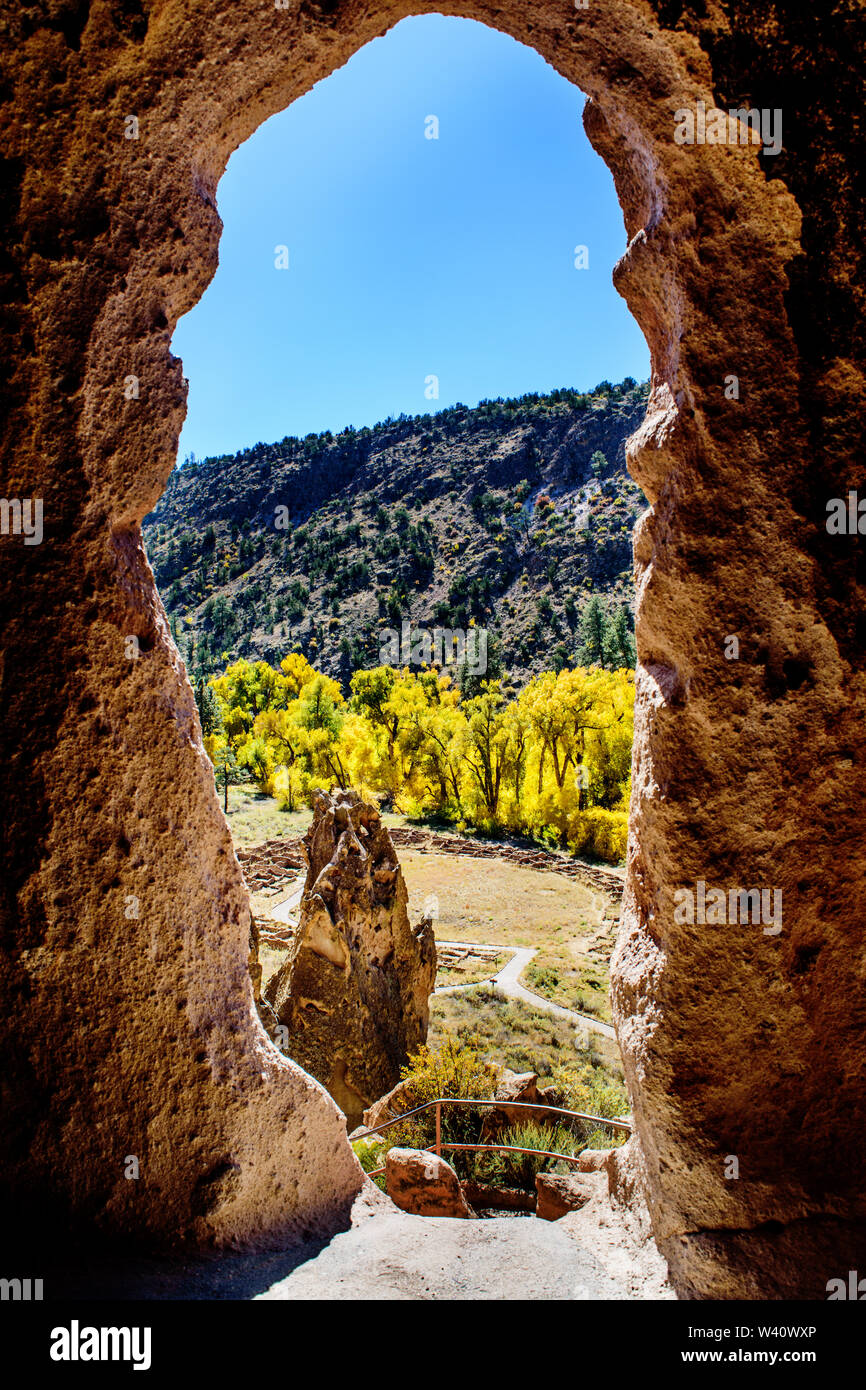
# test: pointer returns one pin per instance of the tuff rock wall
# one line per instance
(135, 1034)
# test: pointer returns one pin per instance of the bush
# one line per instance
(594, 1092)
(519, 1170)
(459, 1070)
(543, 979)
(456, 1070)
(601, 833)
(370, 1153)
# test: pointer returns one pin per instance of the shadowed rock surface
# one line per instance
(398, 1100)
(354, 991)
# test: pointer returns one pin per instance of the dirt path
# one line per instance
(286, 911)
(396, 1256)
(507, 981)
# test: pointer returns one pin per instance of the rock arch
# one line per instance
(127, 1010)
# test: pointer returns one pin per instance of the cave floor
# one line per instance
(391, 1255)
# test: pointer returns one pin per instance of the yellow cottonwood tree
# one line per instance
(552, 763)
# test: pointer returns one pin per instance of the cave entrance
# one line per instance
(113, 759)
(459, 548)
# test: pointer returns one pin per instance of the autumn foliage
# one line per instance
(551, 761)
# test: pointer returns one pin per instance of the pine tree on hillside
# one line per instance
(622, 651)
(208, 708)
(592, 634)
(469, 682)
(606, 640)
(226, 771)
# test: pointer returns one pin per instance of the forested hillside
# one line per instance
(513, 516)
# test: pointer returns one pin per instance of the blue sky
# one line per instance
(408, 257)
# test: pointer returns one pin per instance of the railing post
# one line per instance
(438, 1130)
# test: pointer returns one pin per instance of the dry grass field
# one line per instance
(515, 1035)
(497, 903)
(471, 970)
(254, 817)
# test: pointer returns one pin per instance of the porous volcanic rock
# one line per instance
(398, 1100)
(137, 1035)
(523, 1087)
(423, 1183)
(560, 1193)
(354, 990)
(594, 1160)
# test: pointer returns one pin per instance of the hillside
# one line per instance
(509, 515)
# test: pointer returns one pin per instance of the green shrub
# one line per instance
(519, 1169)
(542, 978)
(370, 1153)
(458, 1070)
(594, 1092)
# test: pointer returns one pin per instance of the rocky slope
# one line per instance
(508, 515)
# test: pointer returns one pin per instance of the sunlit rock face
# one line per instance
(354, 991)
(128, 1019)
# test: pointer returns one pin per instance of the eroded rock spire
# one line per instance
(354, 991)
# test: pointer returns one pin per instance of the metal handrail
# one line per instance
(493, 1104)
(496, 1105)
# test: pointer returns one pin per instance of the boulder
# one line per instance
(550, 1095)
(398, 1100)
(557, 1194)
(518, 1086)
(423, 1183)
(594, 1160)
(355, 987)
(522, 1086)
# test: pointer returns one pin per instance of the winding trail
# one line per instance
(286, 911)
(507, 981)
